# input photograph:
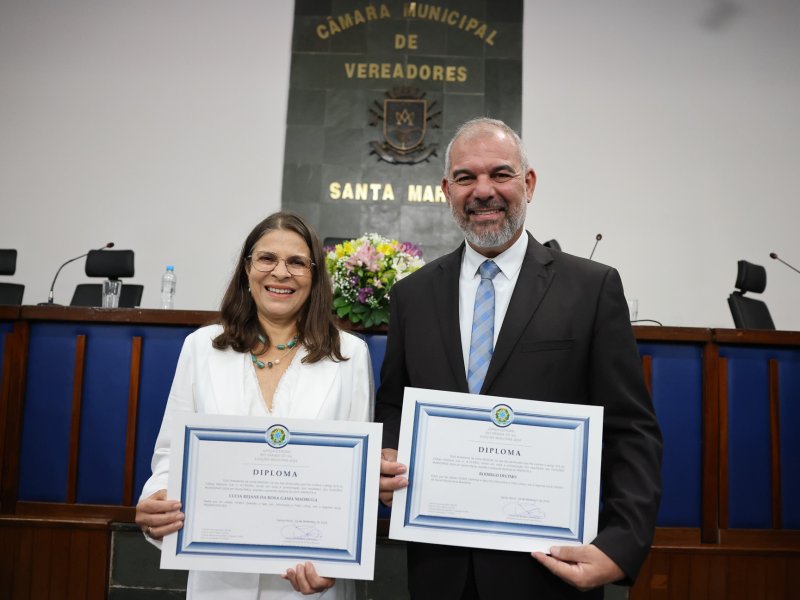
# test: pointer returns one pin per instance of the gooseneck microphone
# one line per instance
(597, 239)
(53, 285)
(775, 256)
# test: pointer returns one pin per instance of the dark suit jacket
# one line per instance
(566, 337)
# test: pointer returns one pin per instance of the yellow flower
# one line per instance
(386, 248)
(345, 249)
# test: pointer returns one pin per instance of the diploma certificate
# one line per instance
(502, 473)
(261, 495)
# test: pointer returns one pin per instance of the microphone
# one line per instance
(775, 256)
(53, 285)
(597, 239)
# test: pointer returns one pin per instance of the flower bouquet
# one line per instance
(363, 272)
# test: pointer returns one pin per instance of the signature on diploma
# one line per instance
(300, 532)
(524, 509)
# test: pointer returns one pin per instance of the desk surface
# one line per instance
(149, 316)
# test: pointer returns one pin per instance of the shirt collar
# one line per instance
(510, 261)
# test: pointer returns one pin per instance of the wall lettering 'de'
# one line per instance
(377, 90)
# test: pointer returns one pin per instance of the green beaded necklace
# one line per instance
(271, 363)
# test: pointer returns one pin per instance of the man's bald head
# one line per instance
(485, 126)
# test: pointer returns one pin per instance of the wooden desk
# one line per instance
(83, 391)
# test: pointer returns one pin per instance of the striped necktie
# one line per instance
(481, 343)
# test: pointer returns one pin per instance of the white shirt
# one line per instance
(510, 263)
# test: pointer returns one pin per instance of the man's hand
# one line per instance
(584, 567)
(390, 471)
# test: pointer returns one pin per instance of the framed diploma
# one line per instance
(502, 473)
(261, 495)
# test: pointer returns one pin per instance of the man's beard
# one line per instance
(480, 236)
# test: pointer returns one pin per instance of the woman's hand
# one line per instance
(304, 579)
(157, 516)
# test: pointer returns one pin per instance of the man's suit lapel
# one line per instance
(445, 294)
(534, 280)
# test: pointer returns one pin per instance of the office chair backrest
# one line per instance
(11, 293)
(749, 313)
(750, 277)
(110, 263)
(91, 294)
(8, 262)
(329, 242)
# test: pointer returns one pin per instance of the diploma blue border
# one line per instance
(495, 527)
(192, 435)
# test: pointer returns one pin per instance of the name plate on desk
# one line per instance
(502, 473)
(261, 495)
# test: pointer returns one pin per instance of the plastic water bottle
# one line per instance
(168, 288)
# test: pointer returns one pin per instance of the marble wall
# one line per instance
(463, 58)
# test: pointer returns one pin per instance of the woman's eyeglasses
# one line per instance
(265, 262)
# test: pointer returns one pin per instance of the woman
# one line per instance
(276, 352)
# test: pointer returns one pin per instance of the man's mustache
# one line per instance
(485, 205)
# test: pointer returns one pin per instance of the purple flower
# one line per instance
(410, 249)
(363, 294)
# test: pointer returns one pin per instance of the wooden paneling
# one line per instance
(775, 441)
(75, 424)
(705, 573)
(39, 573)
(44, 558)
(133, 410)
(722, 372)
(5, 382)
(78, 572)
(676, 537)
(647, 333)
(64, 547)
(735, 540)
(709, 528)
(756, 337)
(56, 510)
(717, 578)
(118, 315)
(647, 369)
(12, 397)
(59, 561)
(777, 578)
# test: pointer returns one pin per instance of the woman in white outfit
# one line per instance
(276, 352)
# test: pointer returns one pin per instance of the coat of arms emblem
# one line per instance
(406, 114)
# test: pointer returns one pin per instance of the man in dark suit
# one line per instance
(560, 334)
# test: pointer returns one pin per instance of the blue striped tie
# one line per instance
(481, 343)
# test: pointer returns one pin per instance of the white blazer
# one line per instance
(213, 381)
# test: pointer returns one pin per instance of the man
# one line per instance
(561, 334)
